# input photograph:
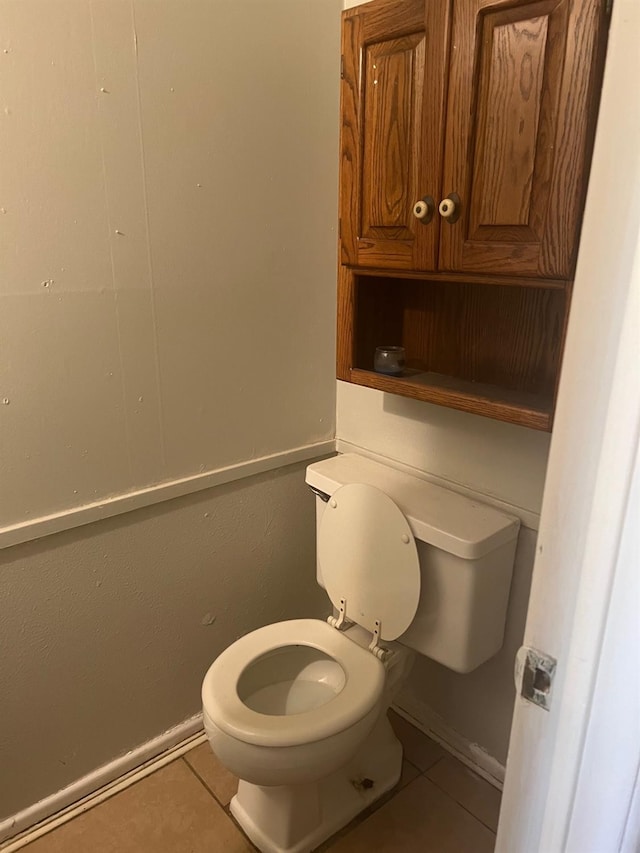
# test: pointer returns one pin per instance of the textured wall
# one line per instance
(504, 461)
(168, 195)
(108, 629)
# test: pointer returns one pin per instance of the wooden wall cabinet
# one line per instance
(393, 106)
(491, 106)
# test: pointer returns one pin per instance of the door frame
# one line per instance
(572, 772)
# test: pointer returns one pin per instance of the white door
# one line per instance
(572, 773)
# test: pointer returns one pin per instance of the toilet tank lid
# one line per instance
(437, 516)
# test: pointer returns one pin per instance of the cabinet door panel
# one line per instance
(391, 129)
(393, 88)
(510, 96)
(523, 79)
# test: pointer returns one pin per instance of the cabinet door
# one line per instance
(393, 98)
(523, 90)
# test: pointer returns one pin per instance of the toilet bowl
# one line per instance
(297, 709)
(291, 702)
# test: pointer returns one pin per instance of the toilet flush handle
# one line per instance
(320, 494)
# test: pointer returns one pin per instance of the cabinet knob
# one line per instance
(449, 208)
(424, 209)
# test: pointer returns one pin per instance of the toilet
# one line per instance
(297, 710)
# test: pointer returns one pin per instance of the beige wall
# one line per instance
(105, 630)
(502, 461)
(168, 187)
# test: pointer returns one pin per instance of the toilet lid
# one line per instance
(368, 557)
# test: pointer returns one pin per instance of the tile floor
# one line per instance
(439, 806)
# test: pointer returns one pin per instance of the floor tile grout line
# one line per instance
(451, 797)
(203, 783)
(431, 766)
(227, 811)
(449, 752)
(457, 802)
(411, 763)
(95, 799)
(361, 817)
(417, 767)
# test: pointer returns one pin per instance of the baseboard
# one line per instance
(27, 825)
(469, 753)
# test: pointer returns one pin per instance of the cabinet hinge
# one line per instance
(342, 62)
(534, 674)
(608, 7)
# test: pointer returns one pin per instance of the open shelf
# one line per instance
(516, 407)
(477, 347)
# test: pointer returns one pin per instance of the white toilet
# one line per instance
(297, 710)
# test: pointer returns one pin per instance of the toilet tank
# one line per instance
(466, 551)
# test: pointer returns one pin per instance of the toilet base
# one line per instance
(298, 818)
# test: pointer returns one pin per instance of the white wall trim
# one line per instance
(527, 517)
(66, 519)
(100, 784)
(469, 753)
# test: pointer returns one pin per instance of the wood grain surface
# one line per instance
(481, 305)
(482, 333)
(523, 92)
(506, 338)
(508, 109)
(393, 98)
(486, 400)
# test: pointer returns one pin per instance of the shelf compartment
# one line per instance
(477, 347)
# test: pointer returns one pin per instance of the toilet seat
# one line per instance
(369, 560)
(363, 686)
